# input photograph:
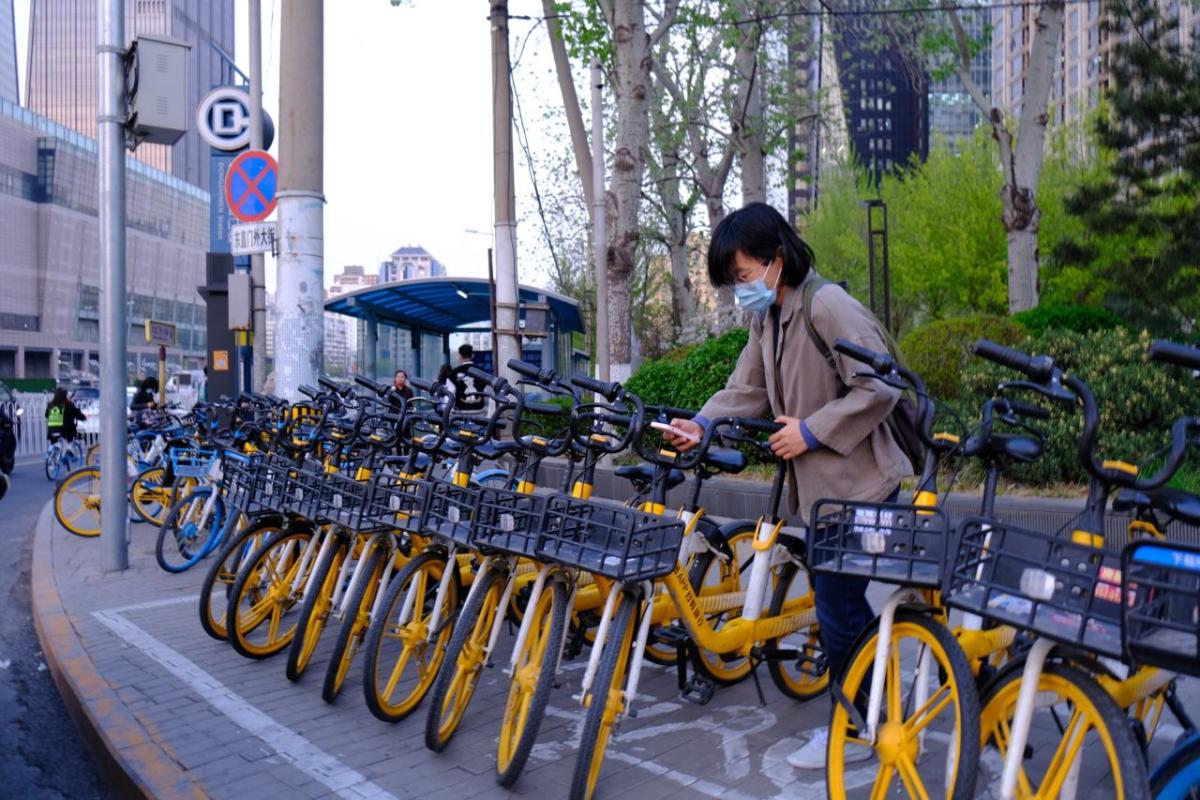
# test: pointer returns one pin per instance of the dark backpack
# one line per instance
(903, 420)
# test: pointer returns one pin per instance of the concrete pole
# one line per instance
(508, 338)
(599, 222)
(371, 349)
(258, 275)
(299, 307)
(114, 510)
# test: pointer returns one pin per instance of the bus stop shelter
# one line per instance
(407, 324)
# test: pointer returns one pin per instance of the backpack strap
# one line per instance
(810, 290)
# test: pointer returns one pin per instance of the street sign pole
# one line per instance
(162, 376)
(114, 510)
(258, 275)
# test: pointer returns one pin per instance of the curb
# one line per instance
(133, 760)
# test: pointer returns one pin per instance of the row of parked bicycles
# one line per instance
(417, 535)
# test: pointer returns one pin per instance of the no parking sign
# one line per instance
(250, 186)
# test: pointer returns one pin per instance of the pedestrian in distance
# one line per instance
(835, 438)
(144, 397)
(468, 390)
(61, 417)
(400, 384)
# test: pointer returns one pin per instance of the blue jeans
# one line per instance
(842, 612)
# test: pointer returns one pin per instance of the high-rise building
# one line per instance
(352, 276)
(407, 263)
(953, 114)
(62, 81)
(8, 53)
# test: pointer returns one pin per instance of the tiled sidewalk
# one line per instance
(186, 716)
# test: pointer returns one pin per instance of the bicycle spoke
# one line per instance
(1066, 753)
(933, 707)
(882, 781)
(894, 681)
(911, 780)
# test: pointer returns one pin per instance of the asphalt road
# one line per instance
(42, 754)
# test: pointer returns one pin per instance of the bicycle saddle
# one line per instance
(1176, 503)
(1022, 449)
(643, 474)
(725, 460)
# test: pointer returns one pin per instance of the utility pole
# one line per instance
(599, 221)
(114, 512)
(258, 275)
(299, 305)
(507, 334)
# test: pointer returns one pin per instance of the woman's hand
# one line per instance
(682, 443)
(788, 442)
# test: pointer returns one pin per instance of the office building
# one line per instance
(407, 263)
(49, 254)
(8, 53)
(953, 115)
(62, 82)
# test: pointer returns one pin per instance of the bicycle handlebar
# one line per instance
(1027, 409)
(307, 391)
(1181, 355)
(608, 391)
(367, 383)
(1038, 368)
(882, 363)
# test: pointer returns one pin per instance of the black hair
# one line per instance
(60, 397)
(149, 384)
(400, 372)
(466, 351)
(443, 373)
(758, 230)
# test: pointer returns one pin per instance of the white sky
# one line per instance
(408, 142)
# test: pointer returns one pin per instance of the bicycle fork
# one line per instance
(637, 659)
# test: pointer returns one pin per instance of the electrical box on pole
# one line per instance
(240, 306)
(157, 80)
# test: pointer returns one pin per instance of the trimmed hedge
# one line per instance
(1138, 401)
(939, 350)
(686, 378)
(1080, 319)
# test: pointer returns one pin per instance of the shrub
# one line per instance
(689, 381)
(1138, 401)
(1080, 319)
(938, 351)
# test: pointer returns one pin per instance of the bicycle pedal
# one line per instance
(699, 691)
(813, 666)
(671, 635)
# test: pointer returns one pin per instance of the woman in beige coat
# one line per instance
(835, 437)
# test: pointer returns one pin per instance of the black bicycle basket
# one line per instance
(271, 484)
(888, 542)
(397, 501)
(1161, 624)
(451, 511)
(302, 495)
(239, 478)
(342, 500)
(617, 542)
(509, 521)
(1057, 585)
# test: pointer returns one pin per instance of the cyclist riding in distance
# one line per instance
(468, 391)
(835, 438)
(61, 416)
(400, 384)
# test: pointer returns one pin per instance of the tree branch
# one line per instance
(670, 12)
(963, 42)
(566, 85)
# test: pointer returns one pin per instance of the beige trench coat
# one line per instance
(860, 459)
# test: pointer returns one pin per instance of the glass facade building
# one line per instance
(62, 82)
(8, 53)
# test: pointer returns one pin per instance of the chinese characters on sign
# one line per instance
(161, 333)
(254, 237)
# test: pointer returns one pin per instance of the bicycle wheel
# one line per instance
(798, 678)
(262, 592)
(532, 682)
(77, 502)
(358, 619)
(52, 461)
(150, 499)
(182, 542)
(1076, 727)
(218, 582)
(401, 663)
(932, 749)
(710, 576)
(317, 606)
(1178, 777)
(92, 459)
(456, 681)
(605, 700)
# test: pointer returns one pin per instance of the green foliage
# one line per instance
(1080, 319)
(585, 31)
(1138, 401)
(689, 381)
(948, 248)
(938, 350)
(1140, 215)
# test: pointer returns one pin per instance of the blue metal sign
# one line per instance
(219, 218)
(250, 186)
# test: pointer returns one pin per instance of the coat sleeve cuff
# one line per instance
(702, 421)
(810, 440)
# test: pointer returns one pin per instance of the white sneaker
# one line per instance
(812, 754)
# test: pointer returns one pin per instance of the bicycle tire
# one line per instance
(463, 664)
(604, 700)
(92, 458)
(51, 465)
(354, 626)
(426, 569)
(77, 507)
(317, 607)
(517, 739)
(896, 742)
(145, 495)
(191, 543)
(224, 572)
(1178, 777)
(289, 543)
(800, 686)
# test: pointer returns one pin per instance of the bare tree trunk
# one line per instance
(566, 85)
(747, 116)
(632, 84)
(1022, 165)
